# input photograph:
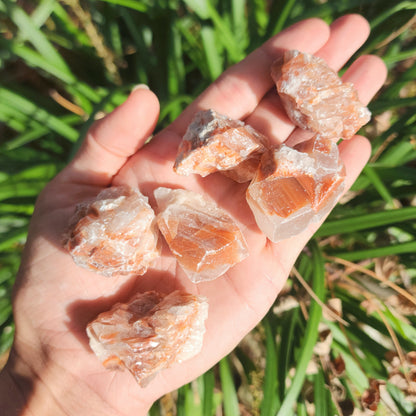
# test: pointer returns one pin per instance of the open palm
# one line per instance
(54, 299)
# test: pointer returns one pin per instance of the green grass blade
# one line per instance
(131, 4)
(5, 310)
(278, 23)
(212, 52)
(378, 185)
(27, 183)
(208, 393)
(330, 9)
(24, 124)
(42, 12)
(398, 154)
(399, 128)
(286, 347)
(115, 37)
(390, 250)
(258, 18)
(141, 65)
(353, 370)
(406, 408)
(176, 66)
(383, 105)
(385, 15)
(230, 400)
(200, 7)
(180, 401)
(400, 327)
(226, 36)
(18, 208)
(155, 409)
(36, 132)
(367, 221)
(10, 238)
(393, 59)
(35, 59)
(29, 108)
(192, 404)
(21, 189)
(320, 395)
(12, 118)
(270, 402)
(239, 22)
(68, 26)
(393, 90)
(6, 338)
(301, 410)
(311, 333)
(36, 37)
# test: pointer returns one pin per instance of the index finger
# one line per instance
(239, 89)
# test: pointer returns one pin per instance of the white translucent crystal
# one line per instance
(315, 98)
(115, 233)
(205, 240)
(295, 186)
(214, 142)
(149, 333)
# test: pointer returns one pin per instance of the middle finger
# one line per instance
(348, 33)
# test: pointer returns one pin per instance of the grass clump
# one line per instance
(341, 337)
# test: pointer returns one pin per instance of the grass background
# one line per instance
(341, 338)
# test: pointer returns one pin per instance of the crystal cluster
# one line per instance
(315, 98)
(290, 188)
(204, 239)
(149, 333)
(295, 186)
(114, 234)
(214, 142)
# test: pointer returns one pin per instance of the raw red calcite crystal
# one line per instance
(149, 333)
(204, 238)
(214, 142)
(295, 186)
(315, 98)
(114, 234)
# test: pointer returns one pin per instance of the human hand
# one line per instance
(54, 299)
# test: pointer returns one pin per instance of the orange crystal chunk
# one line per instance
(149, 333)
(114, 234)
(214, 142)
(295, 186)
(204, 238)
(315, 98)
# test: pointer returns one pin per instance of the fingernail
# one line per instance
(140, 87)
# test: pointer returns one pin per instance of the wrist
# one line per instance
(22, 393)
(55, 392)
(14, 388)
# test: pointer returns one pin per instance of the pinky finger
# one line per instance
(355, 154)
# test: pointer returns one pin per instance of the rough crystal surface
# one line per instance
(204, 238)
(315, 98)
(214, 142)
(149, 333)
(295, 186)
(114, 234)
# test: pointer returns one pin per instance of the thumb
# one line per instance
(112, 140)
